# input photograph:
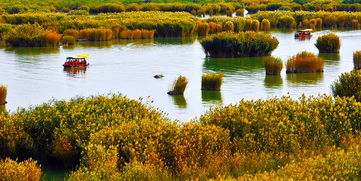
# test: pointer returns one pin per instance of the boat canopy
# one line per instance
(83, 55)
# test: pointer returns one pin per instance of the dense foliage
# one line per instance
(303, 19)
(115, 138)
(348, 85)
(212, 81)
(273, 65)
(243, 44)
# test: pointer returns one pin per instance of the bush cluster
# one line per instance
(243, 44)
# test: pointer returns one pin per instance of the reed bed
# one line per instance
(202, 28)
(357, 60)
(96, 34)
(113, 137)
(304, 62)
(348, 85)
(3, 94)
(310, 19)
(273, 65)
(212, 81)
(240, 23)
(240, 12)
(243, 44)
(329, 43)
(68, 40)
(265, 25)
(179, 86)
(31, 35)
(71, 32)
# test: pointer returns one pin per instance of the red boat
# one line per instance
(302, 34)
(78, 61)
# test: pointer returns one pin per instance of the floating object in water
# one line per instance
(77, 61)
(302, 34)
(158, 76)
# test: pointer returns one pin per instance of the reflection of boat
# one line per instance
(303, 34)
(78, 61)
(75, 71)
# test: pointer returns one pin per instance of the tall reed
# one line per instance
(304, 62)
(243, 44)
(265, 25)
(329, 43)
(179, 86)
(212, 81)
(202, 28)
(357, 60)
(3, 94)
(52, 38)
(273, 65)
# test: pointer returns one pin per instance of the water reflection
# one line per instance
(330, 58)
(231, 65)
(273, 81)
(179, 101)
(214, 97)
(78, 72)
(31, 51)
(304, 78)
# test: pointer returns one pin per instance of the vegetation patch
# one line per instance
(273, 65)
(348, 85)
(212, 81)
(304, 62)
(329, 43)
(243, 44)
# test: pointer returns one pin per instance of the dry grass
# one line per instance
(265, 25)
(304, 62)
(329, 43)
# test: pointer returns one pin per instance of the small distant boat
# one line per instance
(77, 61)
(306, 33)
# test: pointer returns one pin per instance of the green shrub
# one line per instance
(348, 85)
(179, 86)
(329, 43)
(286, 125)
(212, 81)
(242, 44)
(357, 60)
(273, 65)
(304, 62)
(26, 35)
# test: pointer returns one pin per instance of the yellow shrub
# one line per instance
(22, 171)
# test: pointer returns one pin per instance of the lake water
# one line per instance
(36, 75)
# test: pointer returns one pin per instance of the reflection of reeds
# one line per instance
(212, 81)
(273, 65)
(273, 81)
(212, 96)
(179, 86)
(180, 101)
(357, 60)
(3, 94)
(307, 78)
(304, 62)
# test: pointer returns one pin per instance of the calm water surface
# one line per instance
(35, 75)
